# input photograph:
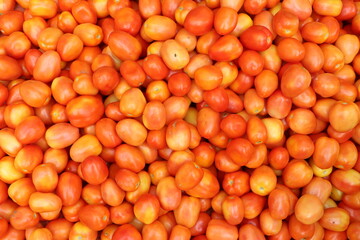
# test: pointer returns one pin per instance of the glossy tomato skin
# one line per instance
(84, 110)
(257, 38)
(199, 20)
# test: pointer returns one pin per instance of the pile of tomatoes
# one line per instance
(179, 119)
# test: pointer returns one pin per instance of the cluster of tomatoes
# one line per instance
(179, 119)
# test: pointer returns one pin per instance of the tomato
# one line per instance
(146, 208)
(335, 219)
(318, 187)
(240, 150)
(299, 230)
(293, 177)
(124, 45)
(226, 48)
(236, 183)
(199, 20)
(42, 233)
(155, 230)
(84, 110)
(129, 157)
(352, 230)
(221, 229)
(23, 218)
(159, 28)
(174, 55)
(154, 67)
(256, 38)
(106, 79)
(188, 176)
(80, 230)
(208, 187)
(301, 121)
(186, 39)
(295, 80)
(9, 63)
(300, 146)
(95, 217)
(126, 231)
(180, 232)
(45, 177)
(345, 180)
(309, 209)
(225, 20)
(233, 209)
(279, 204)
(217, 99)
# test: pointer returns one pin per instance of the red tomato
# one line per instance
(256, 38)
(220, 229)
(199, 20)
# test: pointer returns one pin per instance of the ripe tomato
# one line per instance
(199, 20)
(279, 204)
(220, 229)
(226, 48)
(256, 38)
(314, 209)
(146, 208)
(335, 219)
(126, 231)
(293, 177)
(159, 28)
(84, 110)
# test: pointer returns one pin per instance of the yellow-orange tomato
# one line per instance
(174, 55)
(131, 132)
(45, 177)
(297, 173)
(61, 135)
(48, 38)
(159, 28)
(90, 34)
(44, 9)
(9, 173)
(132, 103)
(44, 202)
(335, 219)
(263, 180)
(20, 191)
(178, 135)
(344, 116)
(35, 93)
(309, 209)
(85, 146)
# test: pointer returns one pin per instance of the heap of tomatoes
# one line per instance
(179, 119)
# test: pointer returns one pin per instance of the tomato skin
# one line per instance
(129, 157)
(296, 178)
(159, 28)
(328, 149)
(199, 20)
(126, 231)
(217, 99)
(188, 176)
(41, 70)
(207, 188)
(226, 48)
(257, 38)
(7, 63)
(94, 170)
(346, 181)
(220, 229)
(279, 204)
(69, 188)
(335, 219)
(95, 217)
(236, 183)
(233, 209)
(146, 208)
(84, 110)
(124, 45)
(240, 151)
(299, 230)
